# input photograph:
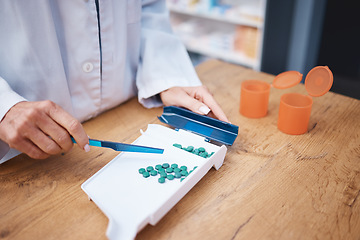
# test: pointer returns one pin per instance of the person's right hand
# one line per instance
(40, 129)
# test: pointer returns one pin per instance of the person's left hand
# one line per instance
(196, 99)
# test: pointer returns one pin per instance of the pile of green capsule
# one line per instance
(165, 171)
(198, 151)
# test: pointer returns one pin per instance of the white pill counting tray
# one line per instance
(131, 201)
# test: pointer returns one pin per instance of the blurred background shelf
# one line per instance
(274, 36)
(229, 19)
(228, 56)
(230, 30)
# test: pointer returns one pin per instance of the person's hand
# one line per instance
(40, 129)
(196, 99)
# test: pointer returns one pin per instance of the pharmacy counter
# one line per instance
(270, 186)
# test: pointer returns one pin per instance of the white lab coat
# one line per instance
(51, 50)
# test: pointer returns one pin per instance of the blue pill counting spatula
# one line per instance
(123, 146)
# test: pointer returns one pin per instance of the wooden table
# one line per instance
(271, 186)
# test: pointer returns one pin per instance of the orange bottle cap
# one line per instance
(318, 81)
(287, 79)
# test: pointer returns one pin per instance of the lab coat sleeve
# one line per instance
(8, 98)
(164, 61)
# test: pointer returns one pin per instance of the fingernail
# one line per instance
(204, 109)
(87, 148)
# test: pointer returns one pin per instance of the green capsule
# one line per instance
(146, 174)
(163, 174)
(170, 176)
(196, 151)
(173, 166)
(142, 170)
(161, 170)
(201, 149)
(183, 168)
(184, 173)
(189, 148)
(177, 145)
(182, 179)
(153, 172)
(178, 175)
(157, 167)
(169, 170)
(211, 154)
(161, 180)
(149, 168)
(165, 165)
(177, 170)
(203, 154)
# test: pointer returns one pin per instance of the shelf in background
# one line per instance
(222, 18)
(231, 30)
(232, 57)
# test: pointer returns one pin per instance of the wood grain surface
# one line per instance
(271, 186)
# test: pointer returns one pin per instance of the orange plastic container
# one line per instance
(254, 96)
(294, 113)
(295, 108)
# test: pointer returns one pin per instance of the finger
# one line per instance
(42, 141)
(196, 99)
(203, 95)
(183, 99)
(56, 133)
(71, 125)
(214, 106)
(29, 148)
(27, 132)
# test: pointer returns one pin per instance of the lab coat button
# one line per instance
(87, 67)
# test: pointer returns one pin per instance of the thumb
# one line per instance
(195, 105)
(178, 96)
